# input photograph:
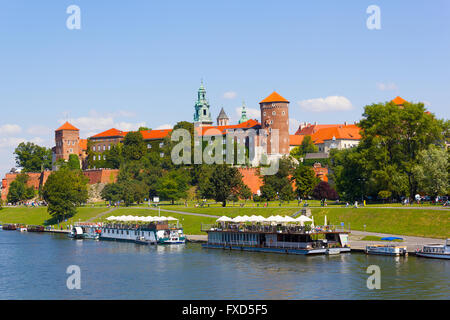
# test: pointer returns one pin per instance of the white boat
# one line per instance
(437, 251)
(387, 250)
(171, 236)
(77, 233)
(22, 229)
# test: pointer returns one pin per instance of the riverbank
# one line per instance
(417, 222)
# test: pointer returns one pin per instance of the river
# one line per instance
(33, 266)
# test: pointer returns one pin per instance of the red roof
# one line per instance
(313, 128)
(223, 129)
(274, 97)
(399, 101)
(295, 139)
(110, 133)
(155, 134)
(67, 126)
(350, 132)
(83, 144)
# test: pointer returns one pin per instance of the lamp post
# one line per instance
(362, 188)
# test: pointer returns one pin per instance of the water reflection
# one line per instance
(120, 270)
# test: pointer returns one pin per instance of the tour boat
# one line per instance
(170, 236)
(387, 250)
(437, 251)
(22, 229)
(277, 239)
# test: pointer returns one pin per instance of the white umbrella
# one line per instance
(224, 219)
(303, 219)
(172, 219)
(238, 219)
(289, 219)
(111, 218)
(245, 218)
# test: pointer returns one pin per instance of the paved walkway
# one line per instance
(180, 212)
(101, 214)
(412, 243)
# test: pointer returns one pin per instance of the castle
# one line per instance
(274, 120)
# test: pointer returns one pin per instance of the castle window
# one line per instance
(283, 113)
(93, 158)
(149, 146)
(204, 112)
(161, 155)
(93, 148)
(264, 113)
(161, 144)
(104, 157)
(109, 147)
(274, 113)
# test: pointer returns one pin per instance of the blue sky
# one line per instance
(140, 62)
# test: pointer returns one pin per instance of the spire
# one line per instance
(243, 114)
(222, 119)
(202, 114)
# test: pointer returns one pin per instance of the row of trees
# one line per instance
(401, 153)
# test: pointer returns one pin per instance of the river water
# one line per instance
(33, 266)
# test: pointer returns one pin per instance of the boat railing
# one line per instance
(239, 227)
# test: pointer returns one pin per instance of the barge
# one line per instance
(277, 238)
(141, 230)
(9, 226)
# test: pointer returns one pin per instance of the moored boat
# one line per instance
(170, 236)
(277, 238)
(76, 233)
(9, 226)
(436, 251)
(35, 229)
(387, 250)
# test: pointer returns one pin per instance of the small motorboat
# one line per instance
(437, 251)
(23, 229)
(77, 233)
(387, 250)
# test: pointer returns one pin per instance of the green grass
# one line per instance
(416, 222)
(39, 215)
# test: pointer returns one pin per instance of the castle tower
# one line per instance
(243, 113)
(202, 115)
(275, 116)
(222, 119)
(67, 139)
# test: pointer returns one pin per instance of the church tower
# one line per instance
(275, 116)
(202, 115)
(243, 114)
(222, 119)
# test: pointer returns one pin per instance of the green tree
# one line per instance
(134, 147)
(74, 162)
(307, 146)
(173, 185)
(305, 181)
(431, 171)
(65, 190)
(19, 191)
(279, 185)
(114, 157)
(112, 193)
(392, 138)
(223, 182)
(33, 158)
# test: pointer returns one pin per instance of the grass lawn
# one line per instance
(38, 216)
(416, 222)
